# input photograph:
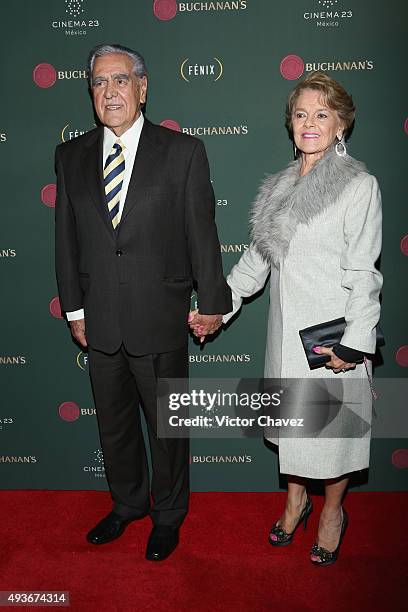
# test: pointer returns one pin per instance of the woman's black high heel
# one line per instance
(326, 557)
(282, 537)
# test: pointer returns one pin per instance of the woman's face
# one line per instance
(315, 126)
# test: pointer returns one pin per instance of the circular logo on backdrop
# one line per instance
(400, 458)
(55, 308)
(74, 7)
(194, 301)
(69, 411)
(328, 3)
(165, 9)
(292, 67)
(82, 360)
(406, 126)
(49, 194)
(404, 245)
(402, 356)
(44, 75)
(207, 69)
(171, 125)
(98, 456)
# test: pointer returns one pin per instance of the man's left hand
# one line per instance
(202, 325)
(335, 363)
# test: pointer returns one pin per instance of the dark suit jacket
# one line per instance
(135, 285)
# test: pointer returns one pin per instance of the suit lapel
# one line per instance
(146, 160)
(92, 168)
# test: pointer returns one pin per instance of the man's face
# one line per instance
(117, 92)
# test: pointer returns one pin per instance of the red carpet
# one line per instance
(223, 562)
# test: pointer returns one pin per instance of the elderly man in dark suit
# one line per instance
(134, 229)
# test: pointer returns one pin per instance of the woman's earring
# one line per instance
(340, 147)
(295, 151)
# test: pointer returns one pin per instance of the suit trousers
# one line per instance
(122, 384)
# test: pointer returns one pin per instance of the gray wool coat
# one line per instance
(318, 237)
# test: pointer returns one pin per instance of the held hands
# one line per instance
(335, 363)
(202, 325)
(78, 331)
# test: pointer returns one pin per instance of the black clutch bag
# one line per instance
(326, 334)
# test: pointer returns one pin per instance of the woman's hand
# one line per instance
(335, 363)
(202, 325)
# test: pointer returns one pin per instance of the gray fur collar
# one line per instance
(286, 199)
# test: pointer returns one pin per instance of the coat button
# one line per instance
(119, 252)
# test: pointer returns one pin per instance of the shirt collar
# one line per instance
(130, 138)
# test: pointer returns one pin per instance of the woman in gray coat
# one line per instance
(316, 230)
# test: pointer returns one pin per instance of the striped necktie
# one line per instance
(113, 174)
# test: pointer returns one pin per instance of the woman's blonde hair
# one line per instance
(334, 96)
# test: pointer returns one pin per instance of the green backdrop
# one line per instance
(222, 71)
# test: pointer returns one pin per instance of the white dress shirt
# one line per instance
(130, 141)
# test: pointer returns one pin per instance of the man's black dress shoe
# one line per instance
(109, 528)
(162, 541)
